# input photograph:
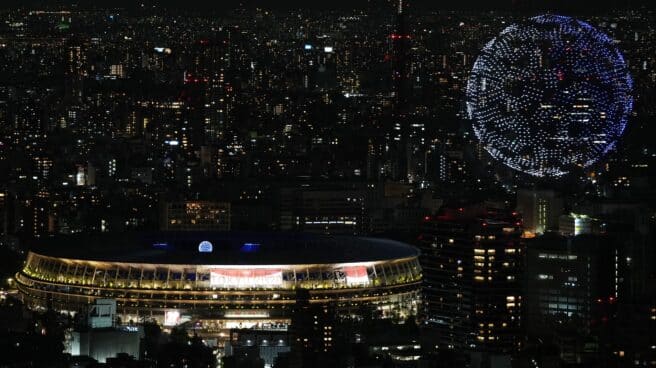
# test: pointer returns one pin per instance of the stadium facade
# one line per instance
(221, 280)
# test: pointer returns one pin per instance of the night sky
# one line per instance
(564, 6)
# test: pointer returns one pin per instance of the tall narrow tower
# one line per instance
(400, 42)
(400, 46)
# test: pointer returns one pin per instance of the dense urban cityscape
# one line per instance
(384, 185)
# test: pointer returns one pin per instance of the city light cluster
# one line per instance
(549, 95)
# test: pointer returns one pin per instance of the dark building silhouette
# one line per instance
(472, 262)
(312, 332)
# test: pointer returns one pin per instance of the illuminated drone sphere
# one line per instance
(549, 95)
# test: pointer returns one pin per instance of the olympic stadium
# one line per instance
(220, 279)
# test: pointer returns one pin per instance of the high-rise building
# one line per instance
(570, 290)
(540, 209)
(75, 61)
(400, 46)
(312, 331)
(472, 262)
(575, 224)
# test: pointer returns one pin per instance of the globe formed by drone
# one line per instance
(549, 95)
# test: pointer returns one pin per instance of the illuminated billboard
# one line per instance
(356, 275)
(245, 278)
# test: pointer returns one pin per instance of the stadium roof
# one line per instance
(228, 248)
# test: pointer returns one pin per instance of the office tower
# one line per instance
(400, 46)
(570, 290)
(540, 209)
(472, 262)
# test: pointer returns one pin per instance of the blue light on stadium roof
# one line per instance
(161, 245)
(250, 247)
(205, 247)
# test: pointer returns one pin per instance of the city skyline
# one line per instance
(366, 184)
(585, 6)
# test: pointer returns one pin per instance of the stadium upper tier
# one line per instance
(228, 248)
